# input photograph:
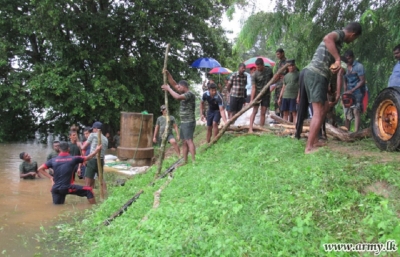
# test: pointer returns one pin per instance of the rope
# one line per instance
(140, 134)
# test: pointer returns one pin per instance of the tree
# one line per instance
(299, 26)
(78, 61)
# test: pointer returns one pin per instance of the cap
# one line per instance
(291, 62)
(162, 108)
(97, 125)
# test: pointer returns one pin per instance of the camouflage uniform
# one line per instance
(279, 84)
(260, 79)
(52, 155)
(26, 167)
(186, 112)
(318, 69)
(162, 123)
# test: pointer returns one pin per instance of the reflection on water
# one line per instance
(26, 205)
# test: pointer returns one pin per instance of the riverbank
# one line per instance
(252, 195)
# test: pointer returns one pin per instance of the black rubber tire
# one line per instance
(389, 98)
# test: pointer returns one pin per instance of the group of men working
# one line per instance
(320, 81)
(68, 159)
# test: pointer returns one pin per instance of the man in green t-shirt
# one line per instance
(160, 127)
(28, 169)
(117, 138)
(280, 54)
(316, 76)
(289, 96)
(74, 148)
(259, 79)
(55, 152)
(186, 113)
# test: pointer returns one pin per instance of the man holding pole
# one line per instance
(315, 77)
(91, 166)
(215, 110)
(186, 111)
(259, 79)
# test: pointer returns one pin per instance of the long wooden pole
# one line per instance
(136, 196)
(251, 104)
(99, 166)
(165, 132)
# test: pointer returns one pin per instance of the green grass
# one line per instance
(246, 196)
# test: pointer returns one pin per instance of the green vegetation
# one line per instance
(247, 196)
(79, 61)
(298, 26)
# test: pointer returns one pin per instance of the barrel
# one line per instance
(136, 144)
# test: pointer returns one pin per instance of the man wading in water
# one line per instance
(63, 166)
(27, 169)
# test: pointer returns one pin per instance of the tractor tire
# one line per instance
(385, 119)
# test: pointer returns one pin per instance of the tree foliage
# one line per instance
(76, 61)
(299, 26)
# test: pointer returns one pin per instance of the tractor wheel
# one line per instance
(385, 119)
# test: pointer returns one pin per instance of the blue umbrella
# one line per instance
(206, 63)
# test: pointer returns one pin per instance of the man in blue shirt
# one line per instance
(215, 110)
(63, 166)
(354, 83)
(394, 80)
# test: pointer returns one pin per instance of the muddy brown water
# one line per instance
(26, 205)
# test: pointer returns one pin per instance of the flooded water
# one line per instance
(26, 205)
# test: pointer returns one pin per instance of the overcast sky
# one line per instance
(242, 14)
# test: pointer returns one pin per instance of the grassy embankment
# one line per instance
(248, 196)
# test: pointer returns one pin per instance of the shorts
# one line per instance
(236, 103)
(91, 168)
(248, 98)
(288, 104)
(213, 116)
(265, 100)
(169, 137)
(59, 194)
(227, 107)
(187, 130)
(316, 87)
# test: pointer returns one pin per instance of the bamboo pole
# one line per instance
(165, 133)
(136, 196)
(251, 104)
(123, 208)
(99, 166)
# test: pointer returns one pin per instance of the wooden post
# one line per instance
(99, 166)
(251, 104)
(165, 133)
